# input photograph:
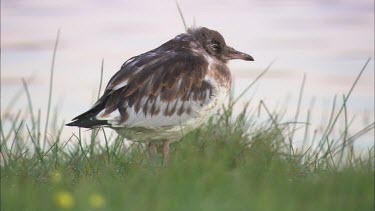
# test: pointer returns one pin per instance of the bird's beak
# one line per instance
(234, 54)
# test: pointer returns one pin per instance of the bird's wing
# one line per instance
(155, 89)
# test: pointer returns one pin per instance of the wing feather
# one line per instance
(163, 87)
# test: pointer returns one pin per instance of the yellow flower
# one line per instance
(96, 201)
(64, 199)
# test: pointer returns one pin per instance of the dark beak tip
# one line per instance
(245, 57)
(250, 58)
(234, 54)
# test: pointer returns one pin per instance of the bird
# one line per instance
(158, 96)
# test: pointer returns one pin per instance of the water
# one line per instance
(329, 41)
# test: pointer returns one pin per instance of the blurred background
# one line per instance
(329, 41)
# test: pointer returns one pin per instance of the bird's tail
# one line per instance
(88, 123)
(88, 119)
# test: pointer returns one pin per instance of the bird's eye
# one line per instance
(215, 47)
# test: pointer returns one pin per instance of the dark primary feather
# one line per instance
(86, 119)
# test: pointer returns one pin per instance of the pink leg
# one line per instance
(166, 152)
(152, 150)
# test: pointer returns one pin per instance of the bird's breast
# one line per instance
(219, 77)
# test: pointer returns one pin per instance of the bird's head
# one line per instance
(214, 44)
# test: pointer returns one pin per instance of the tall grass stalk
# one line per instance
(50, 87)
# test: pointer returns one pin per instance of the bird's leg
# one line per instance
(152, 150)
(165, 152)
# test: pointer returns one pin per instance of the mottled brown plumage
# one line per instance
(168, 91)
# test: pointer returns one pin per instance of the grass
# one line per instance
(234, 162)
